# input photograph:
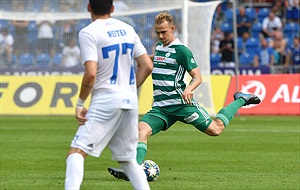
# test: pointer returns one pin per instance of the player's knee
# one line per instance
(76, 150)
(144, 130)
(215, 129)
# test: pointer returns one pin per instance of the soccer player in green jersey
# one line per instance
(173, 99)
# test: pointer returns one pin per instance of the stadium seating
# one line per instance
(81, 24)
(228, 15)
(43, 60)
(251, 45)
(256, 29)
(262, 13)
(57, 59)
(291, 29)
(3, 24)
(240, 44)
(148, 43)
(250, 12)
(215, 59)
(26, 60)
(226, 26)
(14, 59)
(246, 59)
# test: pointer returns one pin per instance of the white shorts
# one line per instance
(116, 128)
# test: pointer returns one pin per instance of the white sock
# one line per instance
(74, 171)
(136, 175)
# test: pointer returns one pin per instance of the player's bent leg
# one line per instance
(145, 131)
(74, 169)
(215, 128)
(136, 174)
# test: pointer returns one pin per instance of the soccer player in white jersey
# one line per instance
(108, 49)
(173, 99)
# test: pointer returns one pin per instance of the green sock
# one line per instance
(226, 114)
(141, 152)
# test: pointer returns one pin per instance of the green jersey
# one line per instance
(170, 65)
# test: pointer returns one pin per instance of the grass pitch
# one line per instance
(254, 152)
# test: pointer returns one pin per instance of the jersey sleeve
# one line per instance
(88, 47)
(186, 58)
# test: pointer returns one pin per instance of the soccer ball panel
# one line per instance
(151, 170)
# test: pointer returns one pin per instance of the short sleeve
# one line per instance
(185, 58)
(88, 47)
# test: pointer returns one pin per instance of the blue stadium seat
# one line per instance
(246, 59)
(81, 24)
(148, 43)
(215, 59)
(226, 27)
(251, 45)
(256, 29)
(291, 29)
(26, 60)
(32, 32)
(4, 24)
(14, 59)
(250, 12)
(262, 13)
(57, 59)
(43, 60)
(240, 44)
(228, 15)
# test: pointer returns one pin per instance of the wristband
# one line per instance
(80, 102)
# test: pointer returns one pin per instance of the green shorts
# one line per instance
(162, 118)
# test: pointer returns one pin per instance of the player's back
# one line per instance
(113, 44)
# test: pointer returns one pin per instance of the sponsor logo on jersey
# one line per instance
(193, 60)
(159, 58)
(168, 54)
(191, 118)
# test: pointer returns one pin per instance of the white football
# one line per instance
(151, 170)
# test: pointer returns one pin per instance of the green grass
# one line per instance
(260, 153)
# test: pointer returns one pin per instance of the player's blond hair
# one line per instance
(164, 16)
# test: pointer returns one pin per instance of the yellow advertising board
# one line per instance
(57, 95)
(39, 95)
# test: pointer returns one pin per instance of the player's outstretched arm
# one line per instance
(145, 67)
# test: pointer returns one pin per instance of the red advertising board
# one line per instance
(279, 93)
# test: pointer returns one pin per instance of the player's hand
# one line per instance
(187, 96)
(80, 115)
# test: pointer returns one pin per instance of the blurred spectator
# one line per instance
(292, 10)
(71, 54)
(293, 56)
(219, 15)
(6, 47)
(216, 37)
(270, 24)
(68, 29)
(21, 29)
(226, 49)
(264, 55)
(279, 43)
(244, 23)
(45, 34)
(245, 36)
(278, 8)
